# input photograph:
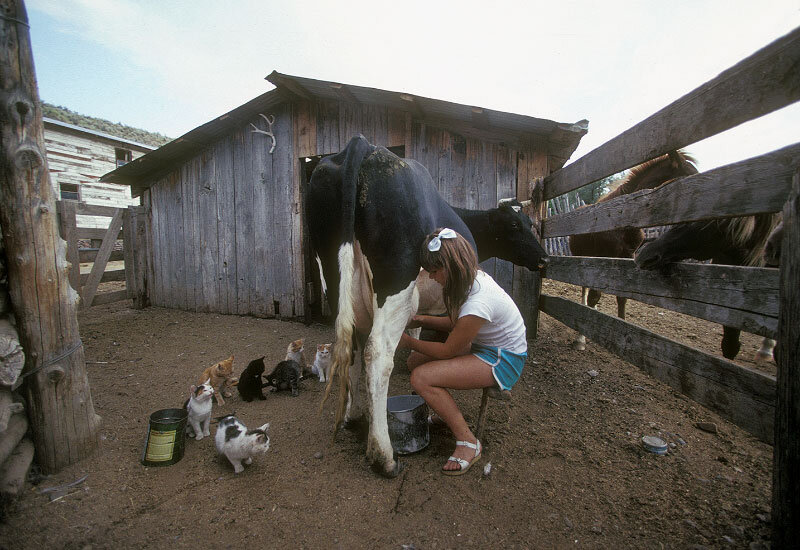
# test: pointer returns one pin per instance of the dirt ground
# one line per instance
(568, 469)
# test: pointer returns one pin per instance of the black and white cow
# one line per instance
(368, 212)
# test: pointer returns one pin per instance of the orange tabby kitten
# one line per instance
(295, 353)
(222, 379)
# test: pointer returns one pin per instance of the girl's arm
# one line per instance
(458, 342)
(432, 322)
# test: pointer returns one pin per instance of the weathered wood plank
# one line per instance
(110, 297)
(786, 459)
(208, 232)
(136, 255)
(742, 297)
(110, 275)
(99, 266)
(243, 205)
(752, 186)
(305, 128)
(177, 243)
(760, 84)
(506, 186)
(739, 394)
(226, 216)
(262, 180)
(88, 255)
(191, 249)
(94, 233)
(287, 244)
(94, 209)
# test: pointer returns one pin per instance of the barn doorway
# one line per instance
(317, 310)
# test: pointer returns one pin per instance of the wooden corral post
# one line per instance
(528, 285)
(65, 426)
(786, 452)
(135, 228)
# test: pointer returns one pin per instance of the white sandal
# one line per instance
(464, 465)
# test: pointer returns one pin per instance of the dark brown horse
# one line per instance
(621, 243)
(729, 241)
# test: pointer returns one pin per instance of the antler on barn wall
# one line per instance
(270, 121)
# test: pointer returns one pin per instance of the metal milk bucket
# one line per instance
(165, 437)
(407, 416)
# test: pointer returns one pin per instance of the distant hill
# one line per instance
(63, 114)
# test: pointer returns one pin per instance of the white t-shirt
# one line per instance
(505, 327)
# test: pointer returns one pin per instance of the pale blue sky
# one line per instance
(170, 66)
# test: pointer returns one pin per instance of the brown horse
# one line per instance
(621, 243)
(730, 241)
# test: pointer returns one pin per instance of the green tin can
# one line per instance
(165, 437)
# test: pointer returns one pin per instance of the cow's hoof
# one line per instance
(380, 469)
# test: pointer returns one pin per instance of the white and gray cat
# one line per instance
(199, 408)
(322, 362)
(239, 444)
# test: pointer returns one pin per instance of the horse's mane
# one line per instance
(750, 233)
(631, 182)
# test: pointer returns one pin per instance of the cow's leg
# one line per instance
(388, 325)
(355, 417)
(766, 353)
(580, 342)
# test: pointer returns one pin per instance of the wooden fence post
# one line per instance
(135, 230)
(786, 450)
(528, 285)
(67, 221)
(61, 412)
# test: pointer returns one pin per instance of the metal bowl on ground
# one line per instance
(407, 416)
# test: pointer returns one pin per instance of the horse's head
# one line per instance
(655, 172)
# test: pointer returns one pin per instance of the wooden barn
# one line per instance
(221, 223)
(77, 157)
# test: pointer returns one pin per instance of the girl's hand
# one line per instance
(405, 340)
(415, 322)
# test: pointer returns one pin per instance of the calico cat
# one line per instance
(221, 376)
(250, 382)
(239, 444)
(294, 352)
(199, 408)
(322, 362)
(285, 376)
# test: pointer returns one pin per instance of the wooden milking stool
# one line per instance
(495, 393)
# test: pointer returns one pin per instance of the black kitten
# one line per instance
(285, 376)
(250, 383)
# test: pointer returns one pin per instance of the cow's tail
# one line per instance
(356, 151)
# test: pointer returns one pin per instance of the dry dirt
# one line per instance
(567, 466)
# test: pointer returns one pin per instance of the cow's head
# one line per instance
(513, 238)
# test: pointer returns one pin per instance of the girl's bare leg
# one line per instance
(431, 381)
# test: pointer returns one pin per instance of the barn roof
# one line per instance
(559, 140)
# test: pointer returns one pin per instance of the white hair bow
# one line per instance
(436, 242)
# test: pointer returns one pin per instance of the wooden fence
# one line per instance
(748, 298)
(122, 226)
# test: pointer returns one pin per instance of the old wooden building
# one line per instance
(222, 205)
(77, 157)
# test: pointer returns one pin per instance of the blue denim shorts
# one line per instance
(506, 366)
